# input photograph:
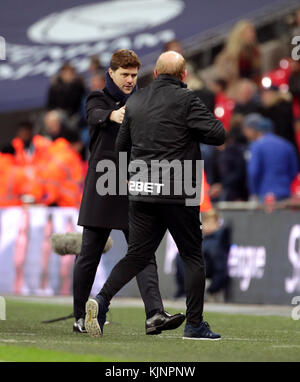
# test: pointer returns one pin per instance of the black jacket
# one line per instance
(110, 211)
(166, 121)
(66, 96)
(282, 116)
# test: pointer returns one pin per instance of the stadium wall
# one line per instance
(263, 262)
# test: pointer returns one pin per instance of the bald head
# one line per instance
(171, 63)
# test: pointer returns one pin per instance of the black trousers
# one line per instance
(93, 243)
(148, 223)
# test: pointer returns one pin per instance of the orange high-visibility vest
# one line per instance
(63, 175)
(12, 181)
(41, 146)
(33, 164)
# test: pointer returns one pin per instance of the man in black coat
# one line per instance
(163, 123)
(100, 214)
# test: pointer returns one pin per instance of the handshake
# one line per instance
(117, 115)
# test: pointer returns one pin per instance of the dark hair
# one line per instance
(95, 60)
(68, 66)
(124, 58)
(25, 125)
(222, 83)
(168, 44)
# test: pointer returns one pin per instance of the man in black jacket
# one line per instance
(99, 214)
(164, 121)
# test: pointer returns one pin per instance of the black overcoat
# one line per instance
(109, 211)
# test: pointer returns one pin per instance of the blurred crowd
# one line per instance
(46, 161)
(260, 111)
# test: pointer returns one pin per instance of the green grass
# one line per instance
(245, 338)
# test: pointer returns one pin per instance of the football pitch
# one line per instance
(24, 338)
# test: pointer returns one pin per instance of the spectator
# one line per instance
(277, 106)
(174, 45)
(296, 23)
(29, 149)
(24, 138)
(63, 174)
(53, 125)
(94, 68)
(200, 90)
(216, 243)
(31, 152)
(294, 86)
(97, 81)
(246, 97)
(222, 110)
(273, 162)
(224, 105)
(66, 91)
(240, 58)
(95, 64)
(231, 180)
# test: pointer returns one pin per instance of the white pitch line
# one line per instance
(16, 341)
(286, 346)
(246, 339)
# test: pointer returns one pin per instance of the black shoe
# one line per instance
(95, 316)
(163, 321)
(202, 332)
(79, 327)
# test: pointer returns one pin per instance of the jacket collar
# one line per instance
(113, 90)
(171, 80)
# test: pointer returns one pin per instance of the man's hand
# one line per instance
(117, 115)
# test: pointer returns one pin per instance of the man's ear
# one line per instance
(110, 72)
(183, 77)
(155, 73)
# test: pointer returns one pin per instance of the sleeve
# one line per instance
(205, 128)
(254, 169)
(97, 109)
(293, 167)
(123, 141)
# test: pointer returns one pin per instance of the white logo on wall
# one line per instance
(296, 311)
(103, 21)
(2, 308)
(95, 29)
(246, 263)
(296, 50)
(292, 284)
(2, 48)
